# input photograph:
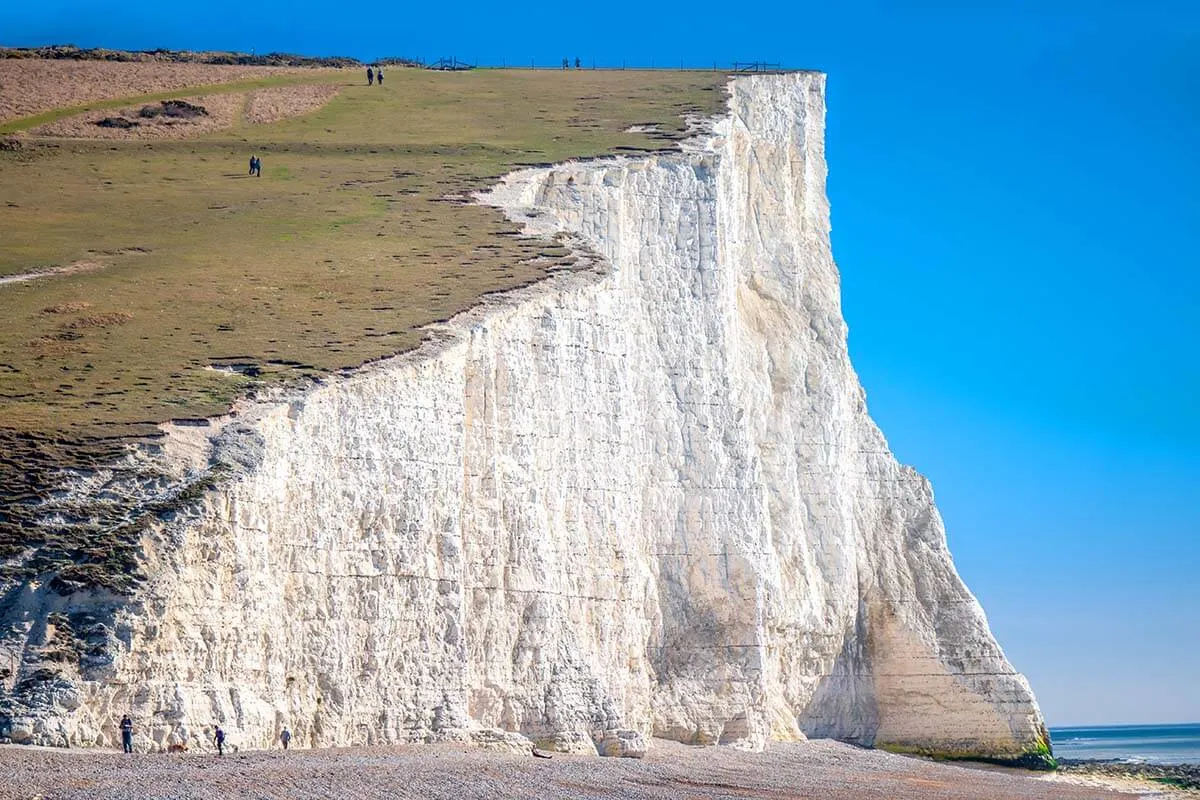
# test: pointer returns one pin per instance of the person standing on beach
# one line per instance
(285, 738)
(127, 734)
(253, 163)
(370, 76)
(219, 738)
(379, 76)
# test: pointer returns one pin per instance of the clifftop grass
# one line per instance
(347, 245)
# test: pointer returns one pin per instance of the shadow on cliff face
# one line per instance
(49, 642)
(75, 519)
(844, 706)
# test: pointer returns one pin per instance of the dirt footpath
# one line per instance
(814, 770)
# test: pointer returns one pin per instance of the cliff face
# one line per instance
(643, 498)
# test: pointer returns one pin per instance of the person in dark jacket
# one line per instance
(219, 738)
(370, 76)
(285, 738)
(127, 734)
(379, 76)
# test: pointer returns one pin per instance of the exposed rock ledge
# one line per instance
(645, 499)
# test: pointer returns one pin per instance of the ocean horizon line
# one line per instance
(1124, 725)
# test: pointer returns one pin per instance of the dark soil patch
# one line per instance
(175, 109)
(116, 122)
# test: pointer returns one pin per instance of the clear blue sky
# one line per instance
(1016, 208)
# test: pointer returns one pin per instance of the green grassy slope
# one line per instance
(336, 256)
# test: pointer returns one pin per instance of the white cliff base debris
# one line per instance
(639, 500)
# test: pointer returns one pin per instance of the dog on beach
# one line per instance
(177, 748)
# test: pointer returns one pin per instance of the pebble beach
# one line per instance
(820, 770)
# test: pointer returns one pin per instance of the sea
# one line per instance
(1146, 744)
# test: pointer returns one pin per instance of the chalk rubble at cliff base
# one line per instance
(644, 499)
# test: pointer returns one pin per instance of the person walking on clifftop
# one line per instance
(127, 734)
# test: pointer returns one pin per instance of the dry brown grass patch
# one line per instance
(218, 111)
(67, 308)
(281, 102)
(100, 320)
(29, 85)
(61, 344)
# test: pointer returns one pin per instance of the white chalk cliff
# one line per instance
(644, 498)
